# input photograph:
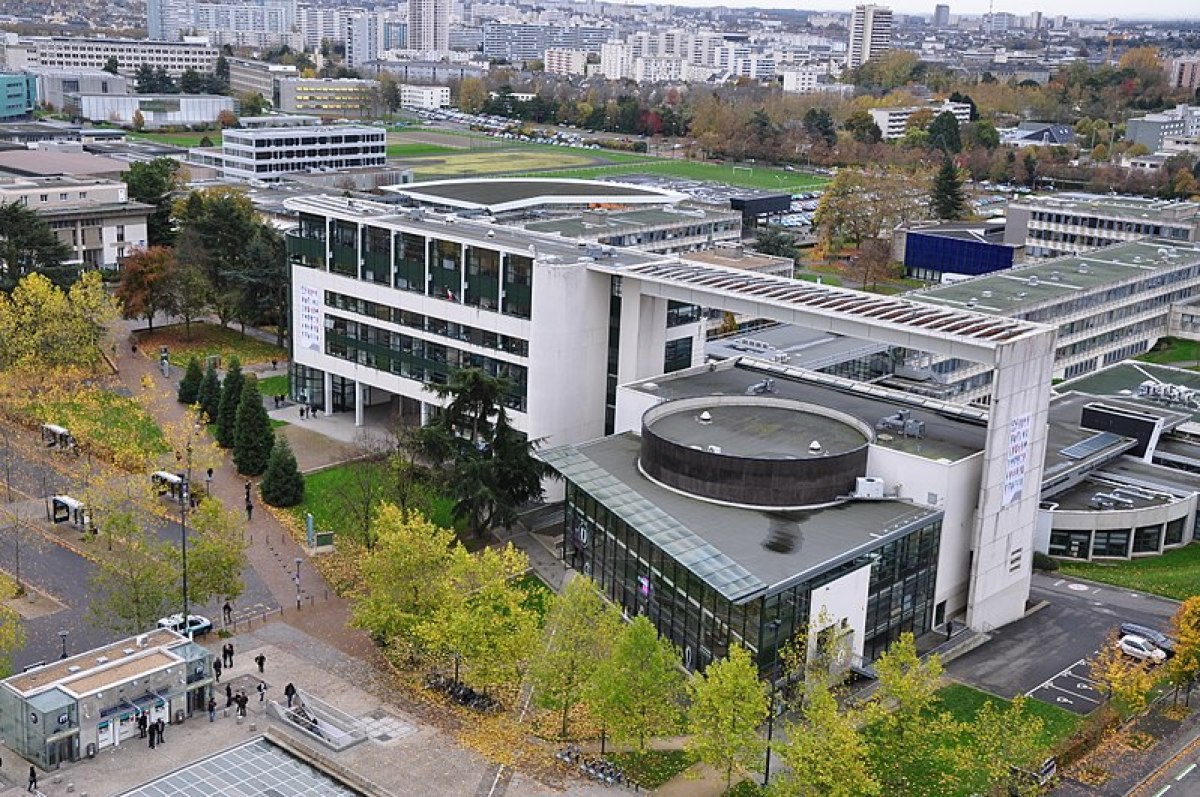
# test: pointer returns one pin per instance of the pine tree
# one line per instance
(209, 394)
(253, 437)
(231, 395)
(189, 386)
(282, 482)
(947, 196)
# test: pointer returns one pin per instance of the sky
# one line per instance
(1077, 9)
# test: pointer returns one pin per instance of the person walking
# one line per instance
(249, 510)
(212, 709)
(227, 653)
(247, 491)
(32, 780)
(289, 692)
(227, 609)
(162, 727)
(142, 722)
(262, 692)
(217, 669)
(261, 661)
(228, 695)
(153, 735)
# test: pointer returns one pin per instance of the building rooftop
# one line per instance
(100, 660)
(726, 546)
(981, 231)
(499, 195)
(300, 130)
(1083, 496)
(739, 257)
(1134, 207)
(1027, 287)
(37, 163)
(596, 224)
(795, 345)
(755, 431)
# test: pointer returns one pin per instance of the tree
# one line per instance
(28, 245)
(189, 386)
(221, 69)
(944, 133)
(135, 583)
(472, 94)
(728, 704)
(861, 204)
(112, 65)
(946, 197)
(138, 120)
(862, 127)
(216, 553)
(191, 82)
(1184, 667)
(251, 103)
(872, 264)
(637, 691)
(282, 483)
(959, 97)
(824, 753)
(1125, 680)
(1004, 738)
(226, 118)
(190, 293)
(263, 282)
(1031, 169)
(252, 433)
(489, 466)
(12, 638)
(208, 395)
(773, 241)
(578, 635)
(153, 183)
(144, 289)
(231, 396)
(43, 327)
(215, 227)
(906, 731)
(818, 124)
(980, 134)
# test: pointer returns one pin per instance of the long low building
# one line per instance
(271, 153)
(68, 52)
(1066, 224)
(156, 110)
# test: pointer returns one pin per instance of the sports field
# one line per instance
(761, 177)
(179, 139)
(500, 161)
(415, 149)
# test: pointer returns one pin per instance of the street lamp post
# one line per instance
(774, 626)
(184, 499)
(63, 636)
(297, 560)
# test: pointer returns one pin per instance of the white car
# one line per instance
(197, 625)
(1141, 648)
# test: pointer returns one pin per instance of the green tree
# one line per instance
(231, 396)
(154, 182)
(728, 704)
(282, 482)
(263, 282)
(1031, 169)
(773, 241)
(189, 386)
(253, 436)
(28, 245)
(638, 691)
(145, 286)
(824, 753)
(818, 124)
(216, 553)
(112, 65)
(136, 582)
(862, 127)
(579, 633)
(1003, 738)
(251, 103)
(980, 134)
(488, 466)
(946, 197)
(215, 227)
(190, 293)
(944, 133)
(208, 396)
(12, 638)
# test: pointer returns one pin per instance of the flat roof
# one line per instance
(300, 130)
(756, 431)
(89, 662)
(1026, 287)
(120, 672)
(727, 547)
(1134, 207)
(596, 224)
(502, 194)
(738, 257)
(803, 347)
(1120, 381)
(36, 162)
(1080, 498)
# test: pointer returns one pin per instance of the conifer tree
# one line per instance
(231, 396)
(189, 386)
(209, 394)
(947, 198)
(282, 482)
(253, 437)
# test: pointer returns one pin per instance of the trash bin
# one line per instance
(178, 716)
(91, 750)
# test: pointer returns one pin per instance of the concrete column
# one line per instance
(328, 393)
(358, 403)
(426, 412)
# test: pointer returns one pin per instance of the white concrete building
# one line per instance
(893, 122)
(69, 53)
(363, 38)
(167, 20)
(269, 153)
(657, 70)
(54, 85)
(424, 97)
(616, 60)
(799, 81)
(247, 76)
(1066, 224)
(561, 61)
(157, 110)
(870, 34)
(329, 98)
(429, 25)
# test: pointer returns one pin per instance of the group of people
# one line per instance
(154, 730)
(233, 698)
(280, 400)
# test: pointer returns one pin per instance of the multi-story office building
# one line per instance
(168, 20)
(941, 16)
(893, 122)
(440, 72)
(530, 42)
(363, 36)
(393, 35)
(870, 34)
(94, 218)
(429, 25)
(425, 97)
(270, 153)
(563, 61)
(1063, 224)
(69, 53)
(54, 85)
(247, 76)
(157, 110)
(1185, 73)
(323, 23)
(18, 94)
(329, 98)
(260, 23)
(1152, 130)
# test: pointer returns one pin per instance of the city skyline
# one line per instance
(1073, 9)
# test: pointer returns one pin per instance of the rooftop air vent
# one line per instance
(815, 447)
(704, 418)
(102, 659)
(1022, 294)
(650, 386)
(986, 294)
(1033, 281)
(1083, 268)
(972, 302)
(714, 449)
(73, 668)
(1056, 276)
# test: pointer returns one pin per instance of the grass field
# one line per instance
(963, 701)
(207, 340)
(413, 149)
(113, 426)
(1173, 350)
(483, 162)
(277, 385)
(180, 139)
(760, 177)
(1175, 574)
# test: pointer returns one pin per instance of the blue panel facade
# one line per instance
(929, 256)
(18, 94)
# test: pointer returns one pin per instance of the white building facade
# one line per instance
(269, 153)
(870, 34)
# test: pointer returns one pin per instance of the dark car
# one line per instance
(1160, 640)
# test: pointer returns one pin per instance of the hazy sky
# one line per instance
(1080, 9)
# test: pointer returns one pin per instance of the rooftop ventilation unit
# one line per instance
(1056, 276)
(868, 487)
(902, 423)
(704, 418)
(761, 388)
(1083, 268)
(1033, 281)
(714, 449)
(815, 447)
(972, 302)
(986, 294)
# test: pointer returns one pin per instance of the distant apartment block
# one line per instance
(1152, 130)
(562, 61)
(270, 153)
(262, 23)
(429, 25)
(362, 38)
(1068, 224)
(168, 20)
(1185, 73)
(18, 95)
(870, 34)
(329, 98)
(529, 42)
(70, 53)
(424, 97)
(893, 122)
(55, 85)
(247, 76)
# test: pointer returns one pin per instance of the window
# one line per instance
(1145, 539)
(1111, 543)
(1174, 534)
(44, 198)
(120, 232)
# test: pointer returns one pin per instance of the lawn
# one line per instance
(1175, 574)
(761, 177)
(963, 701)
(417, 148)
(1173, 350)
(474, 163)
(180, 139)
(113, 426)
(207, 340)
(277, 385)
(652, 768)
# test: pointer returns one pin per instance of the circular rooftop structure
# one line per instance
(500, 195)
(754, 451)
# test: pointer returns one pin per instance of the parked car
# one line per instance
(197, 625)
(1160, 640)
(1141, 648)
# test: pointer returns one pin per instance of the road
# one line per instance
(1180, 779)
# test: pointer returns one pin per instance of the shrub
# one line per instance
(1043, 562)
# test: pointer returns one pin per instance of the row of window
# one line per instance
(1119, 543)
(1096, 223)
(1118, 293)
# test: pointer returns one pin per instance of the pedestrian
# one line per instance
(242, 701)
(153, 735)
(247, 491)
(301, 412)
(212, 709)
(289, 692)
(141, 722)
(217, 669)
(228, 610)
(32, 779)
(260, 660)
(162, 727)
(262, 692)
(227, 652)
(228, 695)
(274, 363)
(249, 510)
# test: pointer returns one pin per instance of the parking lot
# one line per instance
(1045, 654)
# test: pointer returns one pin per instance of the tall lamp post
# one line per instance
(184, 499)
(63, 636)
(774, 626)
